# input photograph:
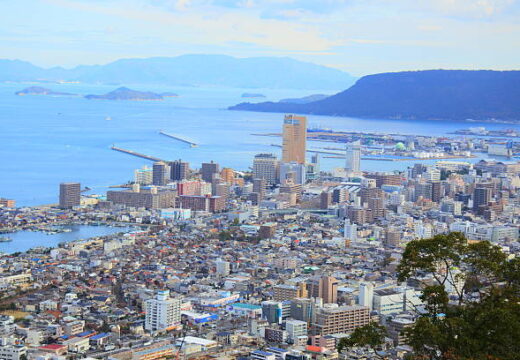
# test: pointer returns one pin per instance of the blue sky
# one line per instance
(357, 36)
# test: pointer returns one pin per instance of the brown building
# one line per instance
(343, 319)
(70, 195)
(203, 203)
(294, 139)
(325, 200)
(289, 292)
(325, 287)
(267, 230)
(149, 198)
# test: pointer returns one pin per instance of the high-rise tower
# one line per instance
(294, 139)
(353, 155)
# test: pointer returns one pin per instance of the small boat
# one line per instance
(5, 239)
(108, 118)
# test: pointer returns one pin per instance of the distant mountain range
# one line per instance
(190, 70)
(432, 94)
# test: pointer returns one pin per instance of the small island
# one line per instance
(252, 95)
(124, 93)
(38, 90)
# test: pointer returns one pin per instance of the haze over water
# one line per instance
(47, 140)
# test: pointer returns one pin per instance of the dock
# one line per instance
(134, 153)
(178, 138)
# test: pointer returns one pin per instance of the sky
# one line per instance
(358, 36)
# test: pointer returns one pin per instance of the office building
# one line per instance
(70, 195)
(325, 287)
(208, 170)
(481, 197)
(265, 166)
(342, 319)
(162, 312)
(160, 174)
(295, 329)
(272, 311)
(294, 139)
(388, 301)
(353, 158)
(179, 170)
(289, 292)
(143, 176)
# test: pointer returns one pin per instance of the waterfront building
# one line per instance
(143, 176)
(179, 170)
(70, 195)
(8, 203)
(160, 174)
(265, 166)
(353, 158)
(162, 312)
(143, 197)
(294, 139)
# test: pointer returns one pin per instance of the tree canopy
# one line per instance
(471, 296)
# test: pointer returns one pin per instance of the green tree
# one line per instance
(370, 336)
(482, 318)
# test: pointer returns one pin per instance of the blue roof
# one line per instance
(100, 336)
(260, 352)
(277, 349)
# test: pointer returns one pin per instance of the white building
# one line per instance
(11, 351)
(143, 176)
(162, 312)
(353, 158)
(350, 231)
(223, 267)
(366, 295)
(295, 329)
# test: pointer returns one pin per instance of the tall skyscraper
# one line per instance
(70, 195)
(207, 171)
(179, 170)
(294, 139)
(265, 166)
(353, 158)
(160, 174)
(162, 312)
